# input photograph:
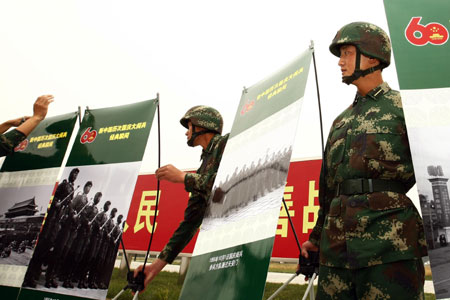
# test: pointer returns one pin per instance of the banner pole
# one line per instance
(292, 226)
(318, 95)
(79, 115)
(158, 182)
(125, 254)
(137, 283)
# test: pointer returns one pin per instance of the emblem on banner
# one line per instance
(420, 35)
(247, 107)
(22, 146)
(88, 136)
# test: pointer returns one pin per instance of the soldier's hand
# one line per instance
(150, 271)
(170, 173)
(40, 107)
(307, 246)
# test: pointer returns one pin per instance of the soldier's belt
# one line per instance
(364, 185)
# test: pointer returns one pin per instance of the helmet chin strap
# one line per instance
(196, 134)
(358, 72)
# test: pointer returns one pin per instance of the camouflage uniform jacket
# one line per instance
(368, 140)
(10, 140)
(199, 184)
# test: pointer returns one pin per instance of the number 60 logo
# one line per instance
(420, 35)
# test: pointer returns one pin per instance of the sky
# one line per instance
(109, 53)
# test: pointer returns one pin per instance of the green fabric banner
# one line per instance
(27, 179)
(79, 240)
(45, 147)
(232, 252)
(113, 135)
(419, 32)
(420, 38)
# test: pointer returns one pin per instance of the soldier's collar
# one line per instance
(211, 144)
(374, 94)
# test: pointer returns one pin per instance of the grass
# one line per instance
(166, 287)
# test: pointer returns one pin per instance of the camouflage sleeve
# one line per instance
(193, 217)
(200, 183)
(10, 140)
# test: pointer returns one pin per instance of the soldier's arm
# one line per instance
(170, 173)
(11, 123)
(193, 217)
(203, 183)
(10, 140)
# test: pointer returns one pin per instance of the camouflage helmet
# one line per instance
(370, 39)
(203, 116)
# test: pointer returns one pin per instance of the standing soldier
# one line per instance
(95, 269)
(369, 232)
(105, 250)
(204, 127)
(43, 252)
(77, 236)
(114, 241)
(93, 238)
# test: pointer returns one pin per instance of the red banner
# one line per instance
(301, 197)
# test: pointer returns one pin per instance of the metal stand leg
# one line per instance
(310, 290)
(118, 295)
(136, 296)
(282, 287)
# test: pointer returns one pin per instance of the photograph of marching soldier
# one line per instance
(78, 244)
(250, 182)
(204, 128)
(45, 250)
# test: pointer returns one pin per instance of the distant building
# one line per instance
(430, 220)
(440, 195)
(23, 208)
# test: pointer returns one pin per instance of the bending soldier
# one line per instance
(204, 127)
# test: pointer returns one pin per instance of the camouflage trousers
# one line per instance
(395, 281)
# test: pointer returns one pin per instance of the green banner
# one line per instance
(228, 280)
(77, 247)
(113, 135)
(27, 179)
(233, 249)
(270, 95)
(45, 147)
(420, 38)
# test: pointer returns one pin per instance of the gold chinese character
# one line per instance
(310, 208)
(282, 221)
(146, 211)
